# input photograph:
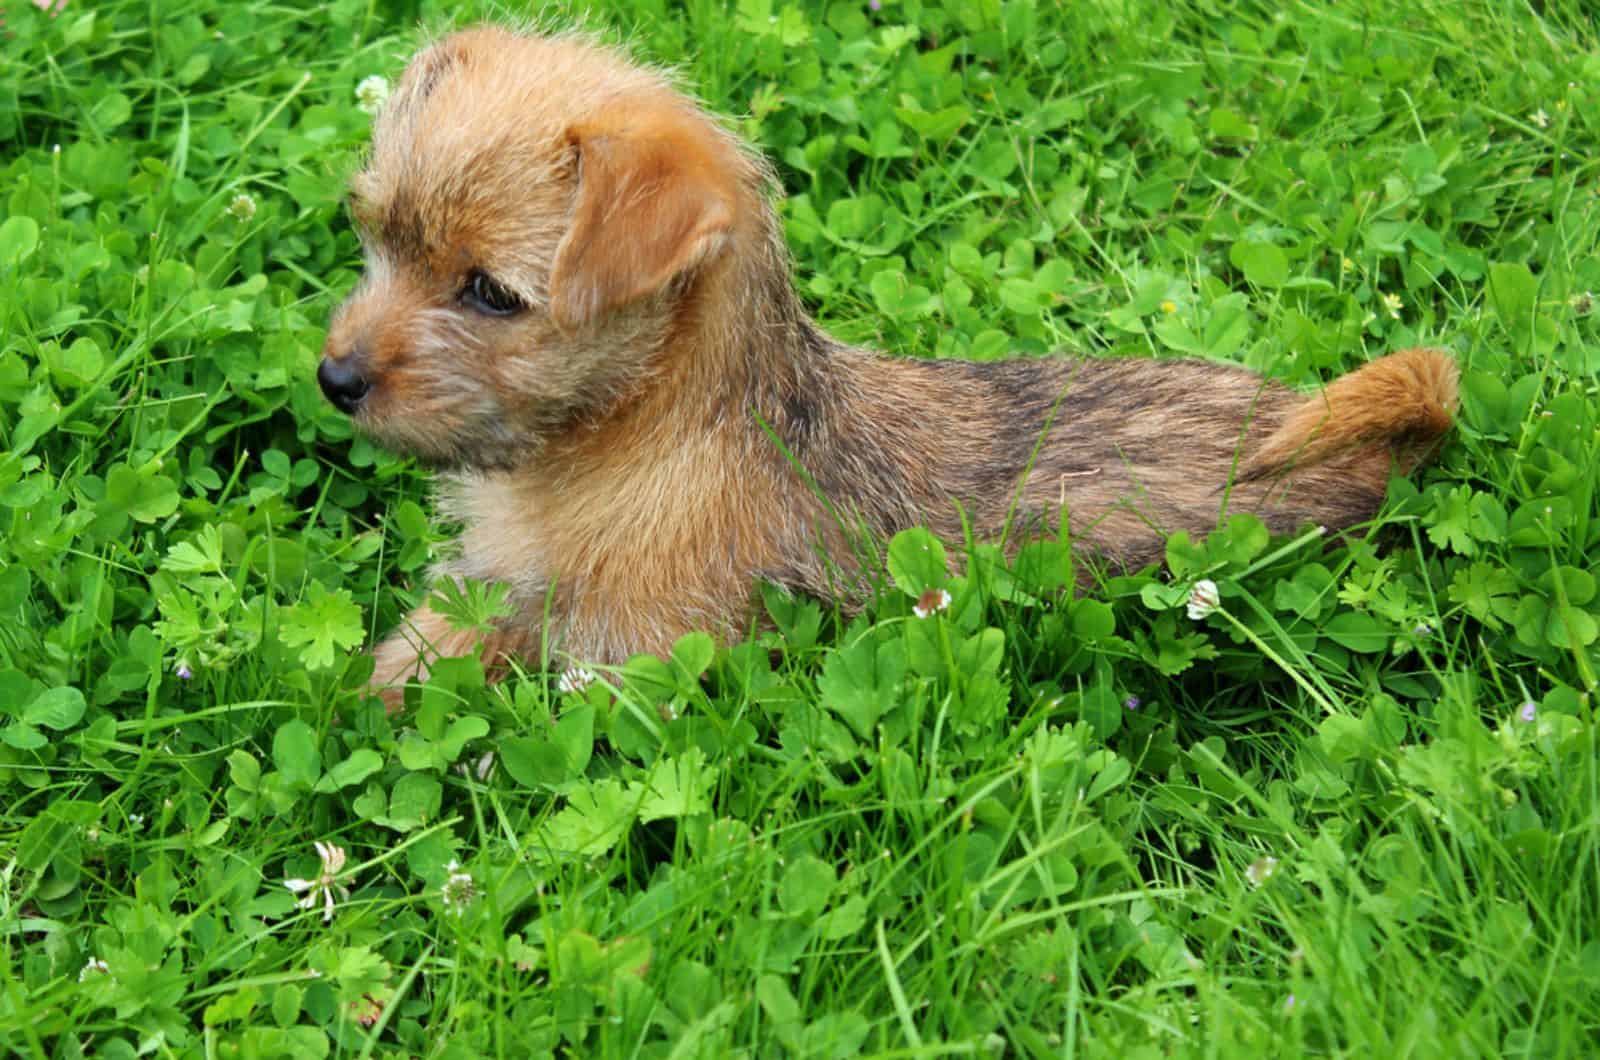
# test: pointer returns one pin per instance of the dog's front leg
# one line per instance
(426, 635)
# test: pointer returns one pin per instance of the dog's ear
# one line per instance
(656, 195)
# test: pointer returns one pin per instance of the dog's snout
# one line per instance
(343, 381)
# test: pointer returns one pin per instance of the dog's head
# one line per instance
(533, 212)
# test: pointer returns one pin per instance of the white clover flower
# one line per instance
(1393, 304)
(325, 884)
(458, 891)
(482, 768)
(1261, 870)
(243, 207)
(366, 1010)
(931, 602)
(95, 966)
(575, 679)
(1203, 599)
(371, 93)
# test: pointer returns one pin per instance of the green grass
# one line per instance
(1352, 812)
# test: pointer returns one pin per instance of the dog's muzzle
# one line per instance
(343, 382)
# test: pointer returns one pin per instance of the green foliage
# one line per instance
(1348, 811)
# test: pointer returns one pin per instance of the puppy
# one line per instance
(577, 306)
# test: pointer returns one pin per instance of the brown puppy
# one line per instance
(577, 304)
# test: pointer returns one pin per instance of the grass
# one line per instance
(1350, 812)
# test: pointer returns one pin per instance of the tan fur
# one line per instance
(608, 444)
(1412, 393)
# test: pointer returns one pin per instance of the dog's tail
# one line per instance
(1404, 402)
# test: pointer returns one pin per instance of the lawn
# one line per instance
(1352, 811)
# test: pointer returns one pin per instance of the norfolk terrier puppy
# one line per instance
(577, 306)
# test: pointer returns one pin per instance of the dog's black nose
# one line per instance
(342, 381)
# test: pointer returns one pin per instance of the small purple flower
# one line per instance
(1289, 1002)
(183, 671)
(875, 5)
(1131, 703)
(1528, 711)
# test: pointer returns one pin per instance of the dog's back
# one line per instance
(1126, 450)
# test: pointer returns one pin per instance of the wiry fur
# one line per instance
(610, 449)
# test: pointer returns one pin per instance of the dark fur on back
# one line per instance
(1130, 450)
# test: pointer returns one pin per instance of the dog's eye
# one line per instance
(486, 296)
